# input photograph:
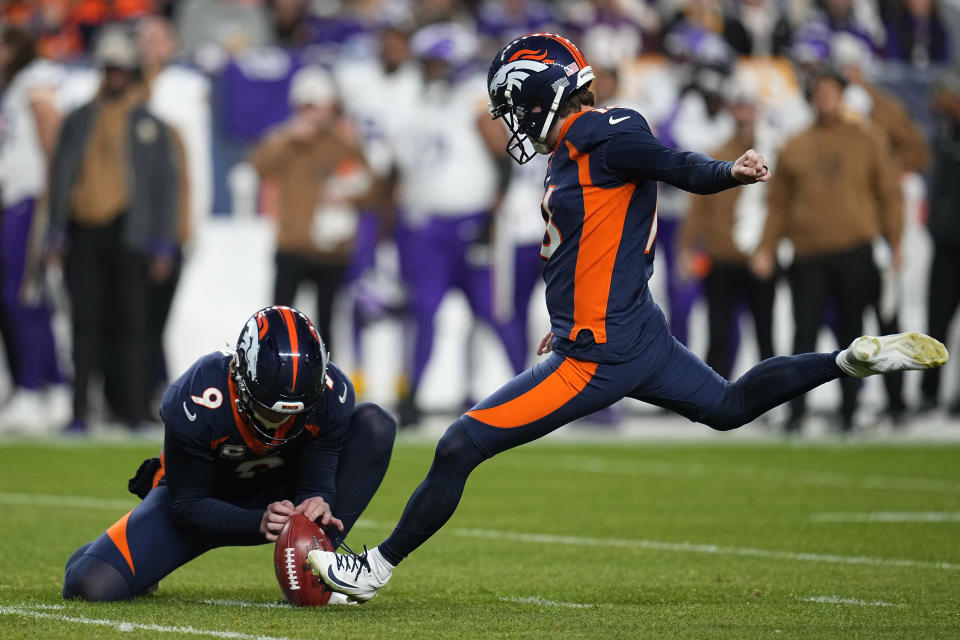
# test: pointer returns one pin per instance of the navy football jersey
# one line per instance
(600, 205)
(220, 475)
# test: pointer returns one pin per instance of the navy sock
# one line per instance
(363, 463)
(771, 383)
(437, 497)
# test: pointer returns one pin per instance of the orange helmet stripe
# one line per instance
(291, 325)
(569, 46)
(531, 54)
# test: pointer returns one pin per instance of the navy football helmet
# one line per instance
(529, 81)
(281, 366)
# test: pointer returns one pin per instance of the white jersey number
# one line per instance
(552, 238)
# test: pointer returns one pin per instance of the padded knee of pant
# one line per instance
(457, 445)
(94, 580)
(377, 427)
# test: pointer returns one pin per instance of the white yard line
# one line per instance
(539, 538)
(245, 603)
(680, 547)
(889, 516)
(597, 465)
(853, 601)
(689, 547)
(79, 502)
(41, 612)
(543, 602)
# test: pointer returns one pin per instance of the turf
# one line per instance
(552, 539)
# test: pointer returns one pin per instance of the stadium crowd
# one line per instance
(362, 128)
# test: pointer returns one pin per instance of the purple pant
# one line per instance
(434, 259)
(29, 324)
(527, 266)
(680, 294)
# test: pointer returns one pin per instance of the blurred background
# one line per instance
(168, 168)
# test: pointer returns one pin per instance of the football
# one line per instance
(300, 586)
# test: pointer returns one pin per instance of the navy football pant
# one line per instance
(147, 544)
(561, 389)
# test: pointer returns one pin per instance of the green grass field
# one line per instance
(553, 539)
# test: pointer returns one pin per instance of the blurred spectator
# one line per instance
(378, 95)
(91, 15)
(427, 12)
(859, 18)
(909, 153)
(943, 223)
(29, 123)
(291, 22)
(916, 32)
(611, 31)
(65, 28)
(502, 21)
(698, 121)
(179, 96)
(833, 192)
(58, 35)
(907, 144)
(449, 185)
(757, 28)
(227, 25)
(320, 177)
(349, 28)
(716, 247)
(113, 214)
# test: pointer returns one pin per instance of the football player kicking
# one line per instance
(608, 337)
(251, 438)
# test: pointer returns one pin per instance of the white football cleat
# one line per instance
(868, 355)
(358, 576)
(339, 599)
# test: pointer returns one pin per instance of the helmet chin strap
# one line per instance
(540, 142)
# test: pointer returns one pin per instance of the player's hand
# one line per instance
(274, 518)
(318, 510)
(749, 168)
(546, 345)
(762, 265)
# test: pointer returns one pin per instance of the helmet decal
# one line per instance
(530, 54)
(514, 73)
(250, 345)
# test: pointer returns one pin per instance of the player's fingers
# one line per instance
(271, 537)
(286, 510)
(336, 522)
(278, 518)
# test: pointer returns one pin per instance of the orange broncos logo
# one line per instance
(531, 54)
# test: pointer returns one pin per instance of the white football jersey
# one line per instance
(520, 207)
(445, 167)
(378, 103)
(23, 166)
(180, 97)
